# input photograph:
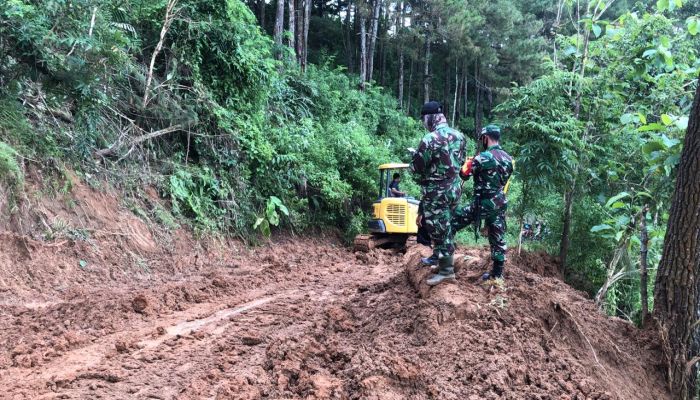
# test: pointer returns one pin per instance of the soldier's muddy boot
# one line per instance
(496, 272)
(446, 272)
(428, 261)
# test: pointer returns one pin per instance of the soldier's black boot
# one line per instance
(432, 260)
(496, 272)
(446, 273)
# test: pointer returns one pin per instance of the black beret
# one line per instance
(431, 107)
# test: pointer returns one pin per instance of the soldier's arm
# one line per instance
(471, 167)
(419, 163)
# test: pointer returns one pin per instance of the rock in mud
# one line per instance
(139, 304)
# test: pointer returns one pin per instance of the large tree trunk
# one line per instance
(363, 50)
(643, 269)
(279, 27)
(566, 227)
(676, 294)
(305, 46)
(426, 69)
(373, 38)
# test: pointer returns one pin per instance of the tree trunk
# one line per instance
(305, 47)
(426, 70)
(363, 50)
(566, 227)
(454, 104)
(401, 68)
(349, 39)
(466, 90)
(299, 42)
(478, 107)
(279, 27)
(410, 87)
(373, 38)
(643, 269)
(261, 13)
(676, 294)
(292, 24)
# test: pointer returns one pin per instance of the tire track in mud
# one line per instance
(167, 356)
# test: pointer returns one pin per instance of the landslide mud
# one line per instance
(297, 318)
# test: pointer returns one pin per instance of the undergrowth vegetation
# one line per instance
(233, 126)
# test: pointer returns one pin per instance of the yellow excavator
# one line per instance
(393, 218)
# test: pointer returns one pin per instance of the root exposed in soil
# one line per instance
(300, 318)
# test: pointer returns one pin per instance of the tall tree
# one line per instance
(363, 47)
(292, 24)
(305, 38)
(376, 8)
(677, 291)
(279, 27)
(426, 69)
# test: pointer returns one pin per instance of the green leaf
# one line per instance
(662, 5)
(615, 198)
(602, 227)
(618, 235)
(679, 3)
(642, 118)
(654, 126)
(626, 119)
(618, 204)
(258, 222)
(666, 119)
(668, 142)
(682, 123)
(82, 263)
(284, 209)
(597, 30)
(693, 26)
(650, 147)
(649, 53)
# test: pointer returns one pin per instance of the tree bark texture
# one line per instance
(305, 46)
(363, 50)
(676, 292)
(401, 68)
(373, 38)
(279, 27)
(292, 24)
(566, 227)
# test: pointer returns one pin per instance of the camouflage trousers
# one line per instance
(494, 220)
(437, 219)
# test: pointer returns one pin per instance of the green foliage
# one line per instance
(10, 172)
(195, 193)
(270, 216)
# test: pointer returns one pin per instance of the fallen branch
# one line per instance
(167, 21)
(133, 142)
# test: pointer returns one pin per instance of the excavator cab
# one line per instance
(393, 218)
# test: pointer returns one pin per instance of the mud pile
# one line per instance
(534, 338)
(132, 313)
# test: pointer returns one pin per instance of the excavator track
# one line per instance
(365, 243)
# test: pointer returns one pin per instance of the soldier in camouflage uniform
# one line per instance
(491, 170)
(436, 163)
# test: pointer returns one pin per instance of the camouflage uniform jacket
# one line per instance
(438, 159)
(491, 170)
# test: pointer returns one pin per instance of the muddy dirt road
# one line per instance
(309, 319)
